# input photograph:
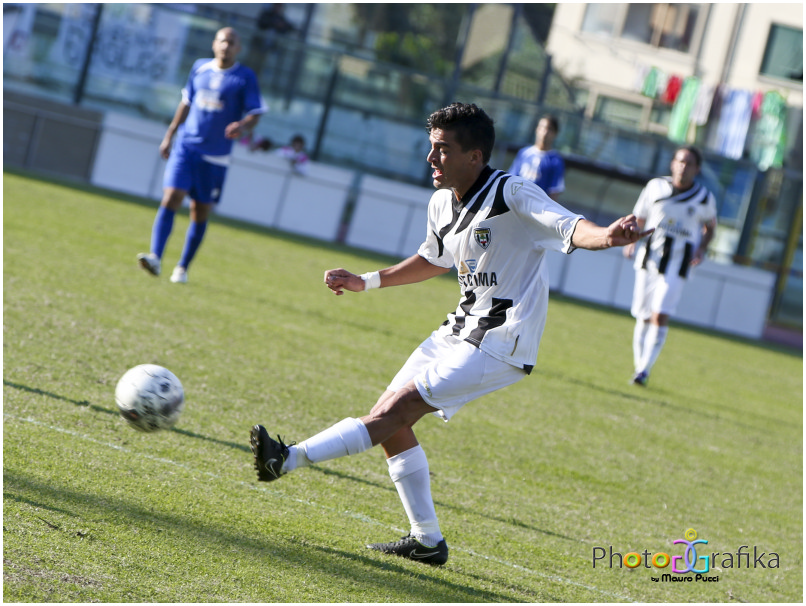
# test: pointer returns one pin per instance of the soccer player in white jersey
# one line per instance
(220, 103)
(683, 215)
(495, 228)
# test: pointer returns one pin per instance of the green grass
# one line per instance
(527, 482)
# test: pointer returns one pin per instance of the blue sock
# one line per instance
(193, 240)
(163, 224)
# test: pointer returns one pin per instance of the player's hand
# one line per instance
(339, 280)
(697, 257)
(233, 130)
(625, 231)
(628, 251)
(165, 148)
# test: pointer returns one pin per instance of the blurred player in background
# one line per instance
(220, 103)
(495, 229)
(540, 162)
(683, 215)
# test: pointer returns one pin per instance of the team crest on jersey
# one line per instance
(216, 80)
(483, 236)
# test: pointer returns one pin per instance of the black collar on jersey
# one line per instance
(474, 189)
(682, 195)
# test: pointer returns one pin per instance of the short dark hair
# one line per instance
(553, 122)
(694, 151)
(473, 127)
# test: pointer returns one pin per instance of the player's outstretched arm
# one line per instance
(621, 232)
(411, 270)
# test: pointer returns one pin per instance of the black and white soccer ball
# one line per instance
(150, 397)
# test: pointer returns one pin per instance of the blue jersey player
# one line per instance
(540, 163)
(220, 103)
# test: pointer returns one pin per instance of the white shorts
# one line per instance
(655, 293)
(449, 372)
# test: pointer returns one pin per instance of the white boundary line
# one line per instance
(356, 516)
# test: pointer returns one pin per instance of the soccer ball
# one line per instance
(150, 397)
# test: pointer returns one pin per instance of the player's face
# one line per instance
(453, 168)
(544, 135)
(226, 46)
(684, 169)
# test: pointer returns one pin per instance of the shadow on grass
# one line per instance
(266, 550)
(114, 412)
(322, 470)
(641, 394)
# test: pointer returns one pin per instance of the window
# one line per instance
(669, 26)
(618, 112)
(601, 19)
(783, 57)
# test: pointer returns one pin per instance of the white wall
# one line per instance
(390, 218)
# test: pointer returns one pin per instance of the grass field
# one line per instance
(528, 482)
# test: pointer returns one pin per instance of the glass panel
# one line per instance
(618, 112)
(678, 26)
(600, 19)
(783, 57)
(638, 25)
(44, 46)
(790, 306)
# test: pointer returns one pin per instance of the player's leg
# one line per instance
(655, 340)
(642, 313)
(175, 185)
(172, 198)
(199, 216)
(664, 302)
(208, 180)
(454, 373)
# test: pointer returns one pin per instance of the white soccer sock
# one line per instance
(655, 338)
(638, 337)
(409, 472)
(347, 437)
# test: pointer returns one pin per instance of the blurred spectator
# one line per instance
(255, 143)
(270, 23)
(295, 154)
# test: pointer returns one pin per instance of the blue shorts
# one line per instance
(189, 171)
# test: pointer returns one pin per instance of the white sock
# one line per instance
(347, 437)
(638, 336)
(409, 472)
(655, 338)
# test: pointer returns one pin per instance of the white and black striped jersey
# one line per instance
(678, 219)
(497, 237)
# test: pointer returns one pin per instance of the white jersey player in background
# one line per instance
(495, 229)
(683, 215)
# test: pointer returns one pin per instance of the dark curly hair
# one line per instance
(473, 127)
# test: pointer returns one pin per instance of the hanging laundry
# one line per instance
(734, 122)
(650, 87)
(702, 106)
(663, 83)
(673, 87)
(758, 97)
(681, 112)
(641, 73)
(769, 141)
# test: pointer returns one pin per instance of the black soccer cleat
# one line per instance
(411, 548)
(269, 454)
(640, 378)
